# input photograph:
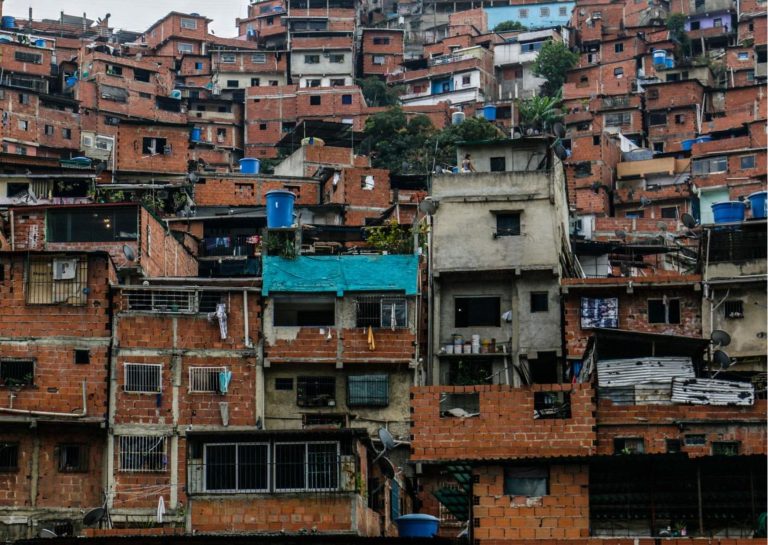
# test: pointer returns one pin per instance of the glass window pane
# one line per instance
(322, 467)
(290, 467)
(220, 469)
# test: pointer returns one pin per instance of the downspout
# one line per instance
(47, 413)
(13, 232)
(246, 328)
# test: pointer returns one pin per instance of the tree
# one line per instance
(471, 129)
(507, 26)
(552, 63)
(398, 143)
(378, 93)
(676, 26)
(539, 112)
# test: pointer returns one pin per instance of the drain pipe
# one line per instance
(46, 413)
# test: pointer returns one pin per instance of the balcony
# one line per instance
(236, 246)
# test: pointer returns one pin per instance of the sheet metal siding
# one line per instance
(633, 371)
(702, 391)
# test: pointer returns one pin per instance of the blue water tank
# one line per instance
(457, 118)
(686, 145)
(417, 525)
(670, 62)
(195, 134)
(39, 43)
(280, 208)
(728, 211)
(70, 81)
(8, 22)
(489, 112)
(758, 201)
(249, 166)
(659, 56)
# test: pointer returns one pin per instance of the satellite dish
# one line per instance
(559, 129)
(129, 253)
(688, 220)
(645, 201)
(720, 337)
(386, 439)
(101, 167)
(387, 467)
(721, 358)
(94, 516)
(560, 151)
(428, 206)
(625, 270)
(193, 177)
(45, 533)
(621, 234)
(661, 225)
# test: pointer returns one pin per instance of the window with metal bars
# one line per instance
(34, 58)
(164, 301)
(73, 458)
(236, 467)
(367, 390)
(204, 379)
(733, 310)
(143, 453)
(381, 312)
(57, 281)
(9, 457)
(92, 224)
(17, 372)
(143, 378)
(551, 405)
(306, 466)
(316, 391)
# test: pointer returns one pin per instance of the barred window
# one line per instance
(34, 58)
(242, 467)
(143, 453)
(57, 281)
(259, 58)
(368, 390)
(204, 379)
(143, 378)
(73, 458)
(316, 391)
(306, 466)
(165, 301)
(17, 372)
(377, 311)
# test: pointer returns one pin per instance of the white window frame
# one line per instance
(237, 468)
(228, 58)
(259, 58)
(188, 24)
(105, 143)
(193, 380)
(146, 439)
(159, 367)
(183, 47)
(306, 467)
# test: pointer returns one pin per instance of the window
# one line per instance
(306, 466)
(529, 481)
(583, 169)
(634, 214)
(498, 164)
(710, 166)
(198, 66)
(66, 133)
(664, 311)
(142, 75)
(747, 161)
(241, 467)
(698, 4)
(543, 12)
(381, 41)
(316, 391)
(657, 118)
(82, 356)
(618, 48)
(618, 72)
(304, 312)
(111, 120)
(336, 59)
(695, 25)
(673, 446)
(346, 99)
(9, 457)
(750, 75)
(23, 56)
(143, 378)
(466, 80)
(717, 23)
(669, 212)
(742, 55)
(262, 126)
(658, 147)
(477, 311)
(270, 21)
(694, 440)
(337, 82)
(221, 134)
(378, 60)
(313, 83)
(259, 58)
(144, 95)
(381, 312)
(205, 379)
(233, 84)
(539, 301)
(153, 146)
(563, 12)
(255, 82)
(228, 58)
(23, 98)
(652, 94)
(549, 405)
(314, 100)
(23, 124)
(49, 130)
(460, 405)
(368, 390)
(189, 24)
(523, 13)
(115, 94)
(14, 372)
(284, 384)
(507, 224)
(628, 445)
(143, 453)
(725, 448)
(114, 70)
(679, 119)
(73, 458)
(618, 119)
(733, 310)
(311, 59)
(596, 140)
(186, 48)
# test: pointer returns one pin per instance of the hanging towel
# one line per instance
(160, 509)
(371, 340)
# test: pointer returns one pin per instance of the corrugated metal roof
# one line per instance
(632, 371)
(704, 391)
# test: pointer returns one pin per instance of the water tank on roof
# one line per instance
(8, 22)
(457, 118)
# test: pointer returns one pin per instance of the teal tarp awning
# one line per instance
(339, 274)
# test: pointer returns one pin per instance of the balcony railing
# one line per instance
(736, 245)
(228, 246)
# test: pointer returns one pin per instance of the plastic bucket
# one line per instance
(39, 43)
(457, 118)
(489, 112)
(70, 81)
(8, 22)
(728, 211)
(195, 135)
(249, 166)
(759, 201)
(280, 209)
(417, 525)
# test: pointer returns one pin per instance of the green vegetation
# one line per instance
(507, 26)
(378, 93)
(552, 63)
(676, 25)
(540, 112)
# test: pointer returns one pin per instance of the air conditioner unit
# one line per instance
(64, 269)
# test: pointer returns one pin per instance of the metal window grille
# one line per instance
(236, 467)
(306, 466)
(143, 378)
(368, 391)
(444, 514)
(316, 391)
(9, 456)
(73, 458)
(460, 405)
(384, 312)
(324, 420)
(57, 281)
(162, 301)
(143, 453)
(733, 309)
(204, 379)
(551, 405)
(15, 372)
(394, 500)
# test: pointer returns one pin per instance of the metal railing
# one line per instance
(165, 300)
(733, 244)
(235, 246)
(204, 379)
(143, 453)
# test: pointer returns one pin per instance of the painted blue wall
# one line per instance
(534, 20)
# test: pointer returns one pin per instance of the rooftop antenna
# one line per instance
(388, 442)
(720, 338)
(645, 201)
(722, 359)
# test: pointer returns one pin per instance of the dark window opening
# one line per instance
(663, 311)
(657, 119)
(153, 146)
(381, 312)
(236, 467)
(284, 384)
(381, 41)
(658, 147)
(233, 83)
(596, 140)
(498, 164)
(544, 368)
(142, 75)
(314, 100)
(82, 357)
(733, 310)
(725, 448)
(477, 311)
(9, 457)
(346, 99)
(673, 446)
(628, 445)
(304, 312)
(669, 212)
(507, 225)
(17, 372)
(694, 440)
(460, 405)
(368, 391)
(316, 391)
(92, 225)
(551, 405)
(618, 48)
(34, 58)
(528, 481)
(73, 458)
(539, 301)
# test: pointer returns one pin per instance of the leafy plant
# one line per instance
(676, 25)
(390, 237)
(281, 244)
(507, 26)
(552, 63)
(378, 93)
(539, 112)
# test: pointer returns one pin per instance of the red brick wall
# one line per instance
(505, 426)
(392, 52)
(252, 191)
(161, 254)
(10, 64)
(130, 156)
